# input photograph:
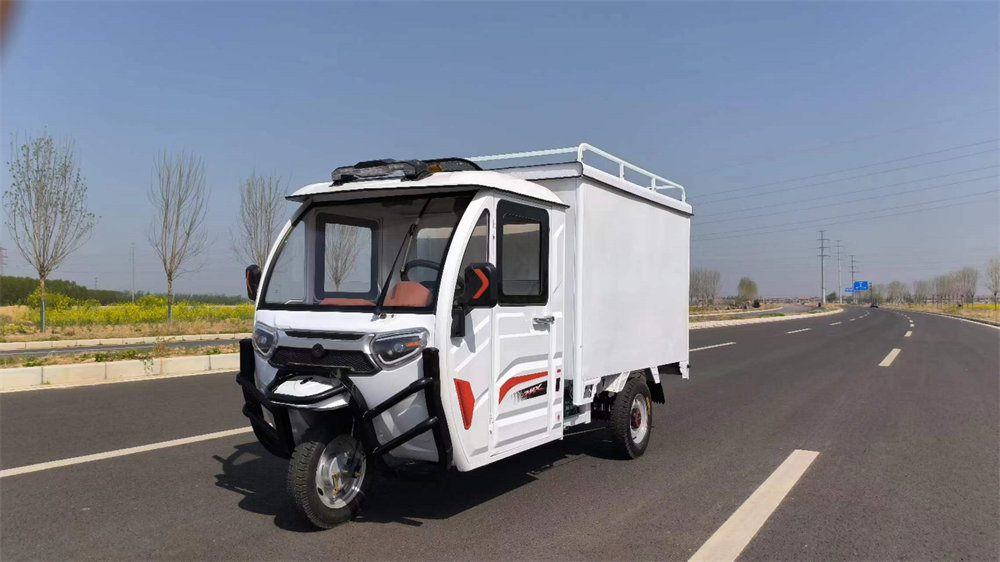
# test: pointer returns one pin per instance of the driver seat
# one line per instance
(410, 294)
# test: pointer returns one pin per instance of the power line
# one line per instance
(853, 201)
(850, 141)
(859, 176)
(844, 193)
(821, 223)
(813, 221)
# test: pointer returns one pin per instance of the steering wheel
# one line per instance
(429, 264)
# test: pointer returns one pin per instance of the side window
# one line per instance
(523, 249)
(347, 246)
(478, 249)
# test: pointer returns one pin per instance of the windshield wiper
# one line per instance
(410, 233)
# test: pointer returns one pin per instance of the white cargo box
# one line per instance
(627, 267)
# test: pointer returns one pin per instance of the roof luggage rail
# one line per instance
(656, 182)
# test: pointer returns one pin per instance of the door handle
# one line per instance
(545, 319)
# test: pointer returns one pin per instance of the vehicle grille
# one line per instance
(356, 361)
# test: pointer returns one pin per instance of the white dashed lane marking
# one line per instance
(797, 331)
(712, 346)
(735, 534)
(889, 358)
(908, 334)
(121, 452)
(836, 323)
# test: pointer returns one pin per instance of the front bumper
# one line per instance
(280, 440)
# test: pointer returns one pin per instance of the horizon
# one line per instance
(878, 123)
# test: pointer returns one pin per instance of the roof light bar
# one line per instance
(410, 169)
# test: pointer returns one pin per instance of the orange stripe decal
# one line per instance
(486, 283)
(466, 401)
(512, 382)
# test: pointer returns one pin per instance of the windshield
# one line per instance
(339, 255)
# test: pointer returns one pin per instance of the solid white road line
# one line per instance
(797, 331)
(712, 346)
(735, 534)
(908, 334)
(889, 358)
(836, 323)
(122, 452)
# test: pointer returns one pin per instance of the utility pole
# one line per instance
(95, 282)
(3, 262)
(822, 261)
(853, 271)
(133, 272)
(840, 282)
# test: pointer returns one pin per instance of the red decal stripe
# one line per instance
(466, 401)
(486, 283)
(511, 383)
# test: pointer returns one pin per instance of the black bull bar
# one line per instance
(279, 440)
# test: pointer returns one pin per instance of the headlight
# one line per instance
(264, 339)
(392, 350)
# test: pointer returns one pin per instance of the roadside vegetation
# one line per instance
(69, 318)
(157, 351)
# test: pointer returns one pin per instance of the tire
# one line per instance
(631, 419)
(318, 483)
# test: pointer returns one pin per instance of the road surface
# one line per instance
(906, 469)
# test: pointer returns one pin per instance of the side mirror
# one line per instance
(253, 281)
(480, 291)
(480, 286)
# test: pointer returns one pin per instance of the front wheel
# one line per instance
(631, 418)
(328, 479)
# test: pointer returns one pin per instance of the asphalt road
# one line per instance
(907, 466)
(109, 348)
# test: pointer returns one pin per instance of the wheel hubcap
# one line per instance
(340, 472)
(639, 419)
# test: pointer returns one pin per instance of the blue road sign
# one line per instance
(864, 285)
(857, 285)
(849, 290)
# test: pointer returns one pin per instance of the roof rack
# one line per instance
(655, 182)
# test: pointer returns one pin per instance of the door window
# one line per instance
(523, 248)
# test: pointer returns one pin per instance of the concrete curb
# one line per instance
(727, 313)
(723, 323)
(27, 377)
(62, 344)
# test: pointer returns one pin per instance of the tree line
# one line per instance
(48, 216)
(704, 287)
(956, 287)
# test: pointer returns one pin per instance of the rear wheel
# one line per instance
(631, 418)
(328, 479)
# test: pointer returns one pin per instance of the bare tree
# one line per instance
(922, 291)
(180, 201)
(897, 292)
(342, 248)
(46, 205)
(261, 213)
(993, 279)
(967, 279)
(712, 278)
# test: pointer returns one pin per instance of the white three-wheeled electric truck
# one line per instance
(427, 314)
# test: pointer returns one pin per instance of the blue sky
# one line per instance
(736, 98)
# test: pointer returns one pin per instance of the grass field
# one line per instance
(67, 319)
(981, 310)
